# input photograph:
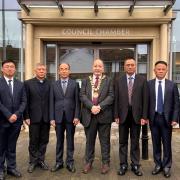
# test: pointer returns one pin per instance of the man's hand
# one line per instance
(117, 120)
(95, 109)
(174, 123)
(75, 121)
(144, 122)
(27, 121)
(13, 118)
(53, 123)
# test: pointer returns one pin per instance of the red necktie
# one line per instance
(95, 93)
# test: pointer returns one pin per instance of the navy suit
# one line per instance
(9, 132)
(63, 109)
(160, 124)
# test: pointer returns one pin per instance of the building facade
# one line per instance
(77, 32)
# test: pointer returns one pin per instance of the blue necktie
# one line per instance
(64, 86)
(10, 86)
(160, 99)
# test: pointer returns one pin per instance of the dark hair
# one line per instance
(66, 64)
(8, 61)
(161, 62)
(127, 58)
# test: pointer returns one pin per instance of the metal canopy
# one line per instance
(96, 4)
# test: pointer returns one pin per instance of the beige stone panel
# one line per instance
(38, 49)
(164, 42)
(29, 51)
(46, 32)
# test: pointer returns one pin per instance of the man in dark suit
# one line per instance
(64, 115)
(36, 117)
(163, 114)
(12, 105)
(97, 98)
(131, 106)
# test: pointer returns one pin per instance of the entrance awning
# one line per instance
(96, 4)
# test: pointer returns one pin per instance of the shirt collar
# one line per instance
(162, 80)
(133, 76)
(7, 79)
(66, 79)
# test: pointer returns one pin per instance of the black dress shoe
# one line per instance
(31, 167)
(71, 168)
(136, 170)
(14, 172)
(2, 176)
(43, 165)
(167, 172)
(56, 167)
(156, 170)
(122, 170)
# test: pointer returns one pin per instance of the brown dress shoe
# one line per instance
(104, 168)
(87, 168)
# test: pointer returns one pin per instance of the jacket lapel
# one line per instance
(165, 90)
(7, 87)
(89, 88)
(68, 87)
(60, 90)
(35, 82)
(103, 81)
(125, 86)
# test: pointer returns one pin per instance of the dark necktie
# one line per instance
(10, 86)
(130, 87)
(64, 86)
(95, 92)
(160, 99)
(96, 82)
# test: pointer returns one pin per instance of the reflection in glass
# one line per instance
(80, 60)
(13, 40)
(114, 60)
(51, 61)
(142, 55)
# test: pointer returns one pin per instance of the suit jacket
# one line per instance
(68, 103)
(139, 98)
(105, 100)
(171, 101)
(37, 108)
(11, 104)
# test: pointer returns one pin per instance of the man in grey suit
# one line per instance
(131, 106)
(97, 98)
(36, 117)
(163, 114)
(64, 115)
(12, 105)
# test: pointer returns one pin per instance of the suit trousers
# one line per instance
(8, 140)
(38, 140)
(129, 126)
(60, 130)
(161, 133)
(104, 137)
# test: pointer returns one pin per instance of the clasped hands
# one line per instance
(95, 109)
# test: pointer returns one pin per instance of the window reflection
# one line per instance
(142, 59)
(114, 60)
(80, 60)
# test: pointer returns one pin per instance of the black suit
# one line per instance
(130, 116)
(63, 109)
(9, 132)
(100, 122)
(160, 125)
(37, 111)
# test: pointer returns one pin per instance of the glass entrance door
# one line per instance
(80, 57)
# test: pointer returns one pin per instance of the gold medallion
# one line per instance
(95, 94)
